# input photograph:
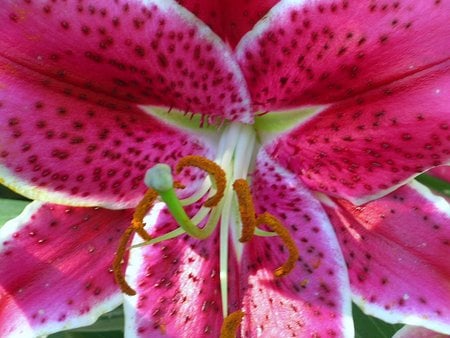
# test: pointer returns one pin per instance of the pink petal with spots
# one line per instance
(314, 299)
(230, 19)
(365, 147)
(177, 283)
(442, 172)
(396, 249)
(417, 332)
(147, 52)
(56, 268)
(80, 148)
(314, 52)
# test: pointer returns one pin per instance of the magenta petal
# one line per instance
(150, 52)
(314, 299)
(230, 19)
(56, 268)
(365, 147)
(310, 52)
(177, 284)
(417, 332)
(92, 151)
(396, 249)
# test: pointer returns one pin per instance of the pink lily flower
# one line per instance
(328, 108)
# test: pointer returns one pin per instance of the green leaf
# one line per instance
(435, 183)
(7, 193)
(109, 325)
(368, 326)
(73, 334)
(10, 209)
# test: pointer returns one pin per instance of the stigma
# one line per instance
(225, 190)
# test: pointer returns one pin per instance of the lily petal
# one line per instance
(416, 332)
(149, 52)
(363, 148)
(177, 284)
(314, 298)
(67, 150)
(58, 263)
(396, 250)
(315, 52)
(230, 19)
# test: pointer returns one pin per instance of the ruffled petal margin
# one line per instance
(56, 268)
(396, 250)
(312, 300)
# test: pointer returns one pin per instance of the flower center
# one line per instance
(227, 191)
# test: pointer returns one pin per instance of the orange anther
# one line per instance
(213, 169)
(117, 263)
(286, 237)
(246, 209)
(231, 323)
(142, 209)
(137, 225)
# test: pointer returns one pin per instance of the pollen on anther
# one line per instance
(142, 209)
(117, 263)
(213, 169)
(246, 209)
(283, 233)
(137, 225)
(230, 324)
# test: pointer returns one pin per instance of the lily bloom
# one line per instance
(327, 109)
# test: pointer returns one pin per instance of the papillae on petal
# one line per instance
(147, 52)
(396, 250)
(177, 284)
(365, 147)
(313, 299)
(56, 268)
(67, 145)
(317, 52)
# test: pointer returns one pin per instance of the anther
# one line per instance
(246, 209)
(142, 209)
(117, 263)
(230, 324)
(137, 225)
(285, 236)
(214, 170)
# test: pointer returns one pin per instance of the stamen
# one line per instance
(246, 209)
(214, 170)
(286, 237)
(142, 209)
(117, 263)
(137, 225)
(230, 324)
